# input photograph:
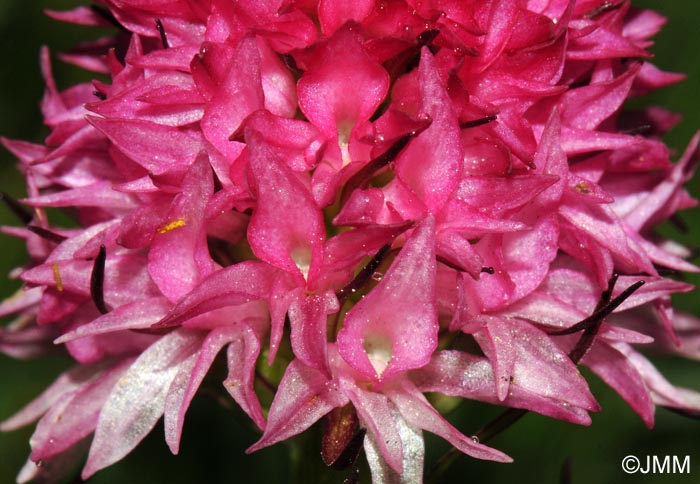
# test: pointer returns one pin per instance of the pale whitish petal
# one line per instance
(66, 382)
(413, 456)
(175, 400)
(54, 469)
(138, 399)
(188, 380)
(418, 412)
(74, 416)
(376, 414)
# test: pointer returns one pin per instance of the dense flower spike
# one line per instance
(380, 198)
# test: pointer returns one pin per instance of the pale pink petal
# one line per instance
(137, 402)
(394, 327)
(303, 397)
(418, 412)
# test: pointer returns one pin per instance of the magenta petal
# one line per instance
(345, 87)
(303, 397)
(394, 327)
(286, 229)
(158, 148)
(239, 94)
(332, 14)
(432, 164)
(308, 317)
(138, 401)
(231, 286)
(179, 257)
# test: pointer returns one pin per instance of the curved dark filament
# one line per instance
(97, 279)
(478, 122)
(107, 15)
(604, 7)
(46, 234)
(364, 275)
(163, 35)
(362, 178)
(17, 208)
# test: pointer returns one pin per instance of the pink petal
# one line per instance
(615, 369)
(242, 355)
(413, 456)
(303, 397)
(67, 382)
(179, 256)
(432, 163)
(230, 286)
(394, 327)
(308, 317)
(286, 229)
(343, 88)
(376, 414)
(140, 314)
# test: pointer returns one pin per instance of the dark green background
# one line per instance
(214, 442)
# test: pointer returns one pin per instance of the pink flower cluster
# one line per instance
(379, 198)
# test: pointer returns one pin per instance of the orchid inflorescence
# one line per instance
(362, 202)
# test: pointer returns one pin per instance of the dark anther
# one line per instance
(591, 324)
(99, 95)
(362, 178)
(477, 122)
(365, 274)
(106, 15)
(97, 279)
(642, 130)
(46, 234)
(291, 64)
(604, 7)
(488, 270)
(603, 310)
(163, 35)
(17, 208)
(427, 36)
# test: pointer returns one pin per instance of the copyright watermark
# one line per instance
(656, 464)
